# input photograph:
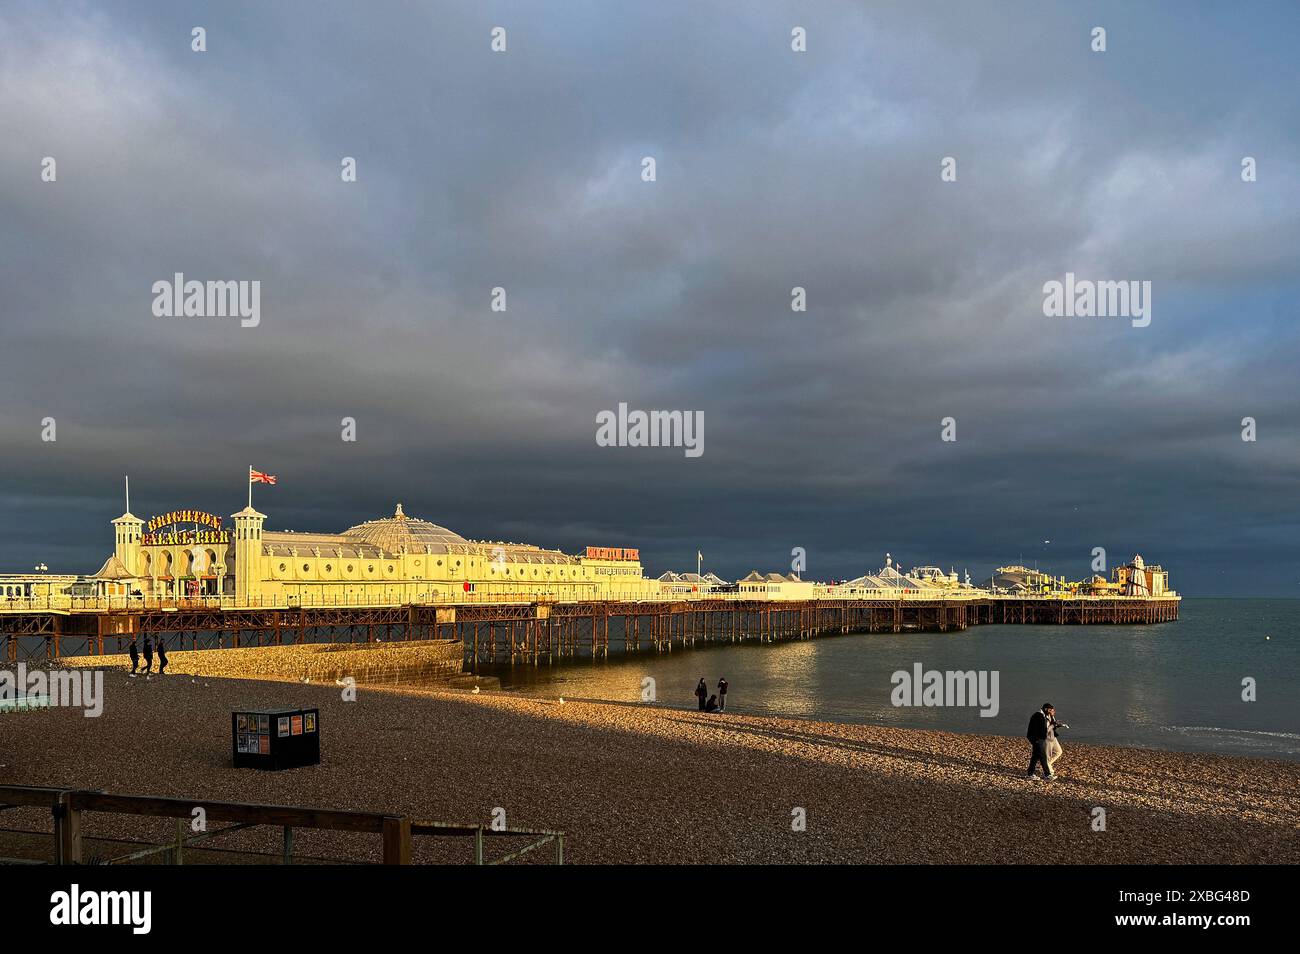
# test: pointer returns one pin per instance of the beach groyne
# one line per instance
(428, 661)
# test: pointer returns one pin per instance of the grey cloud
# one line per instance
(775, 170)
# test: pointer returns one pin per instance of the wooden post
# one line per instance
(67, 830)
(397, 841)
(286, 856)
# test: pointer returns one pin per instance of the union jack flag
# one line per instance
(257, 477)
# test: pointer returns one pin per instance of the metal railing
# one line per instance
(75, 604)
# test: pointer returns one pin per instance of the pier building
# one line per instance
(194, 556)
(397, 559)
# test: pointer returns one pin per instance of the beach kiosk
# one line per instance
(275, 738)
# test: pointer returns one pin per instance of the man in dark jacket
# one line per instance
(702, 692)
(162, 657)
(134, 652)
(722, 695)
(1037, 736)
(148, 657)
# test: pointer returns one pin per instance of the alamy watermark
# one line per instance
(214, 299)
(930, 687)
(1083, 298)
(73, 907)
(75, 688)
(634, 428)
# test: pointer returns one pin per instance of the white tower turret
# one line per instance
(248, 555)
(127, 531)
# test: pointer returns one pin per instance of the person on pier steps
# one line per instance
(134, 652)
(701, 692)
(162, 657)
(722, 695)
(148, 657)
(1040, 730)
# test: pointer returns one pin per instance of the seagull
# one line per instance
(561, 700)
(475, 690)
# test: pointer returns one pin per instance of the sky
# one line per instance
(523, 170)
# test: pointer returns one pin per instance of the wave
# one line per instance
(1215, 728)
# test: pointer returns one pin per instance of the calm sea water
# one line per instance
(1169, 686)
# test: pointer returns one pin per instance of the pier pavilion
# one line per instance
(396, 560)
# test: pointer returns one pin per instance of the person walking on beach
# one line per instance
(148, 657)
(1053, 743)
(134, 652)
(722, 695)
(162, 657)
(1038, 734)
(702, 692)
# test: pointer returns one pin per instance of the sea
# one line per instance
(1224, 678)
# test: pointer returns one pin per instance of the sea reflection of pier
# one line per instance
(543, 631)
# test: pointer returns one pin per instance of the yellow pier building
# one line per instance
(193, 555)
(397, 559)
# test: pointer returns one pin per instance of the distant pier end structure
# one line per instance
(191, 578)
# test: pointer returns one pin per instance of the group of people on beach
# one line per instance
(134, 652)
(715, 703)
(1044, 747)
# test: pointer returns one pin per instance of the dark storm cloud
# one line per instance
(775, 169)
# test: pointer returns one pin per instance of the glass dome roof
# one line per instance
(392, 533)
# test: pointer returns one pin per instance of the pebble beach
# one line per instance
(632, 783)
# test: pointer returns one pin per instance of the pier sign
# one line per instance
(613, 553)
(204, 528)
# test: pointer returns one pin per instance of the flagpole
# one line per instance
(250, 486)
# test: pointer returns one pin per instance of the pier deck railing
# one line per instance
(126, 604)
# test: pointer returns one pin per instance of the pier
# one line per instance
(541, 631)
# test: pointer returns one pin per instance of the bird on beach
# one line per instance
(561, 700)
(474, 690)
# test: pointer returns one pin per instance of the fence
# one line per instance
(68, 808)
